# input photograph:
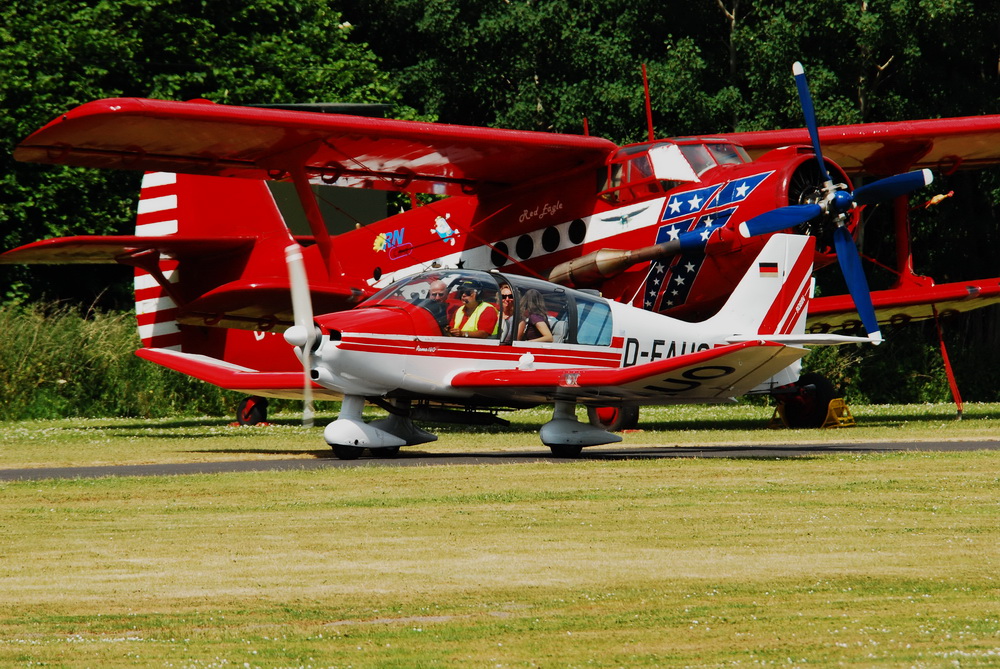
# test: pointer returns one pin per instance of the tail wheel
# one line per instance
(251, 411)
(615, 418)
(809, 407)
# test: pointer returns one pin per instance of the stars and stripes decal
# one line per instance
(701, 210)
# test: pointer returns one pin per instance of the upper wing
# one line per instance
(890, 148)
(205, 138)
(898, 306)
(706, 376)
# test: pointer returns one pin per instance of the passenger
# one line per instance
(437, 303)
(474, 318)
(507, 315)
(535, 326)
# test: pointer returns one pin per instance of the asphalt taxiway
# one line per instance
(417, 458)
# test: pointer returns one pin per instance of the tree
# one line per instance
(63, 53)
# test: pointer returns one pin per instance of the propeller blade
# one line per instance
(894, 186)
(857, 284)
(304, 330)
(781, 218)
(805, 100)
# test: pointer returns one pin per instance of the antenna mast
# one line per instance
(649, 106)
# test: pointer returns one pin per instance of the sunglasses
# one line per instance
(467, 292)
(506, 296)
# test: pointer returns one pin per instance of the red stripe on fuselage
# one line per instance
(487, 350)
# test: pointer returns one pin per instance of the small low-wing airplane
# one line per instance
(437, 339)
(669, 226)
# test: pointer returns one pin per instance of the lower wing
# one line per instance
(898, 306)
(241, 379)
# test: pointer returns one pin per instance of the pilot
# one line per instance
(535, 326)
(474, 318)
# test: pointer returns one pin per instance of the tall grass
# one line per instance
(56, 362)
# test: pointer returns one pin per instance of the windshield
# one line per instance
(571, 316)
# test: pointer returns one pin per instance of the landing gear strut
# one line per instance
(350, 435)
(566, 436)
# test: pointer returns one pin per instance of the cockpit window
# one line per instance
(593, 321)
(438, 294)
(439, 286)
(728, 154)
(573, 316)
(699, 157)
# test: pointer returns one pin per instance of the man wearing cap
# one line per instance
(474, 318)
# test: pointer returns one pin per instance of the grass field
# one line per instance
(835, 559)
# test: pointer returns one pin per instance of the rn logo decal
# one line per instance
(392, 243)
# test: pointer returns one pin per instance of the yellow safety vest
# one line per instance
(472, 322)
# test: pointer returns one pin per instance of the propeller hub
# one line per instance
(841, 202)
(297, 335)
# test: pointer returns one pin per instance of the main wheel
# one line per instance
(251, 410)
(566, 451)
(809, 407)
(614, 419)
(345, 452)
(385, 453)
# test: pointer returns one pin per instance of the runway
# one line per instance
(420, 459)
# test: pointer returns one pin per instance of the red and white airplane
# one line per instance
(670, 226)
(403, 346)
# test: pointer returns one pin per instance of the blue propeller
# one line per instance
(836, 202)
(781, 218)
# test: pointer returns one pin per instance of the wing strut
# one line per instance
(316, 223)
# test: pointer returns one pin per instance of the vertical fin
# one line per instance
(192, 206)
(773, 295)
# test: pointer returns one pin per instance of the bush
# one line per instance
(56, 362)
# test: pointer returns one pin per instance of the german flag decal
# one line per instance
(768, 269)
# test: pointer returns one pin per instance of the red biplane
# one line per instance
(669, 225)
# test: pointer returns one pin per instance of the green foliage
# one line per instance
(60, 54)
(714, 66)
(57, 362)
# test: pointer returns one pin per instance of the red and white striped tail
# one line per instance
(157, 216)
